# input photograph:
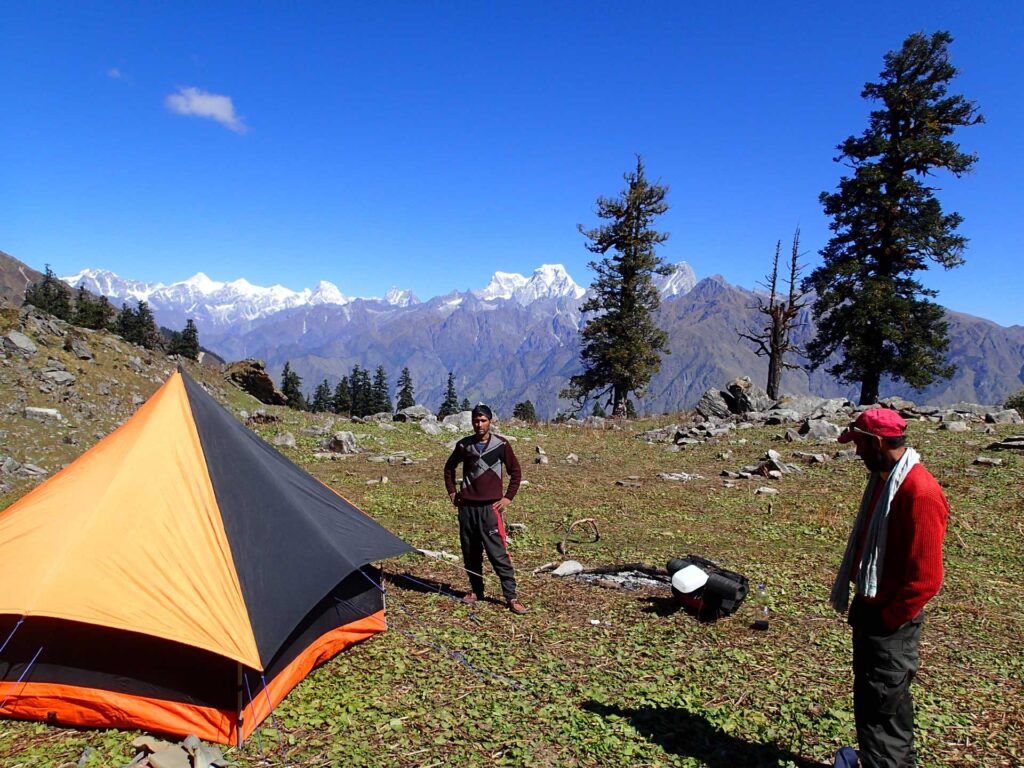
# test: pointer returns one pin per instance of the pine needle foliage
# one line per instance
(406, 392)
(621, 345)
(887, 224)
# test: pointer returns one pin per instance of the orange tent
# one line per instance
(181, 576)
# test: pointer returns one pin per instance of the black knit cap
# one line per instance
(483, 410)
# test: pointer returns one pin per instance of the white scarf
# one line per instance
(874, 543)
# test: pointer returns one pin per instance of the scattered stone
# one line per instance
(811, 458)
(137, 399)
(595, 422)
(782, 416)
(440, 555)
(540, 451)
(681, 477)
(572, 458)
(285, 439)
(1011, 443)
(988, 462)
(568, 568)
(16, 341)
(135, 363)
(766, 491)
(628, 483)
(342, 442)
(846, 454)
(459, 422)
(63, 378)
(77, 347)
(9, 466)
(747, 397)
(542, 459)
(1007, 416)
(386, 427)
(955, 426)
(103, 388)
(713, 405)
(382, 480)
(31, 470)
(793, 436)
(43, 414)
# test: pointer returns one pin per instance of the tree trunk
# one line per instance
(618, 404)
(869, 388)
(774, 374)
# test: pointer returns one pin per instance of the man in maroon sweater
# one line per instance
(480, 502)
(894, 557)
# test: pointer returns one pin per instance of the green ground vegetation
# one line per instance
(607, 677)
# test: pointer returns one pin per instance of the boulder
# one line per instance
(1007, 416)
(43, 414)
(596, 422)
(955, 426)
(712, 404)
(747, 396)
(251, 376)
(16, 341)
(342, 442)
(430, 426)
(820, 430)
(77, 347)
(414, 413)
(462, 421)
(286, 439)
(59, 377)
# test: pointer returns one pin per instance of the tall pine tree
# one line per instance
(381, 391)
(621, 344)
(406, 393)
(51, 295)
(450, 404)
(321, 401)
(887, 224)
(291, 388)
(342, 402)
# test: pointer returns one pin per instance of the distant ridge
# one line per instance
(518, 337)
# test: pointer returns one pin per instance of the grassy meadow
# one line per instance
(605, 677)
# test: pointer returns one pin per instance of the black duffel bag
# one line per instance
(720, 595)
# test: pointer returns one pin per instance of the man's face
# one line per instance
(481, 425)
(869, 449)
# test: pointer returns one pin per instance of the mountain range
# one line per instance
(517, 338)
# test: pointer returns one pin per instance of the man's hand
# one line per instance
(455, 499)
(501, 505)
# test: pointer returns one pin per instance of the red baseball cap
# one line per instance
(879, 422)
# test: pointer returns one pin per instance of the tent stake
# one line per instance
(240, 706)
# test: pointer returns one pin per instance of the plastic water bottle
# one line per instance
(761, 609)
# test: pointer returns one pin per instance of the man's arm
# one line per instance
(515, 472)
(449, 471)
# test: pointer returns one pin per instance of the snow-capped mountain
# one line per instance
(681, 281)
(549, 281)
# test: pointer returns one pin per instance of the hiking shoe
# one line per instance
(516, 607)
(470, 599)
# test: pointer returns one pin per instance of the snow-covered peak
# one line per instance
(400, 298)
(200, 283)
(680, 282)
(547, 281)
(106, 283)
(327, 293)
(502, 286)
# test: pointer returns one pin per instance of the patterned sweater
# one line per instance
(912, 570)
(482, 478)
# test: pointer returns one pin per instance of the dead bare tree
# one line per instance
(773, 340)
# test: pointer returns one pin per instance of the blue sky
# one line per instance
(427, 145)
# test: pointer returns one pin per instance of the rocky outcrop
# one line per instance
(251, 376)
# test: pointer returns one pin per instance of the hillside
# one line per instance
(593, 675)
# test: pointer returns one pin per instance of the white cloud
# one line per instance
(193, 101)
(115, 73)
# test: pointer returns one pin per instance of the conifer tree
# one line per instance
(83, 314)
(406, 394)
(381, 391)
(525, 411)
(148, 333)
(465, 405)
(321, 398)
(291, 388)
(50, 295)
(621, 345)
(360, 391)
(597, 410)
(190, 340)
(342, 402)
(450, 404)
(887, 224)
(126, 324)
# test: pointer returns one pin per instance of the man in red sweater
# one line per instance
(480, 502)
(894, 557)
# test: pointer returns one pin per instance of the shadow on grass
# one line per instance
(422, 585)
(666, 606)
(683, 733)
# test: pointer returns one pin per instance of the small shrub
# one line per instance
(1016, 402)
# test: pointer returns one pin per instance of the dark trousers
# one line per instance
(481, 529)
(884, 664)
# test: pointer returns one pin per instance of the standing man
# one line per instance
(480, 503)
(894, 557)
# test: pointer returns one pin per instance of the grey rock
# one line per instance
(820, 430)
(43, 414)
(766, 491)
(137, 399)
(9, 466)
(793, 436)
(77, 347)
(540, 451)
(1011, 443)
(783, 416)
(342, 442)
(846, 454)
(1006, 416)
(386, 427)
(542, 459)
(988, 462)
(628, 483)
(812, 458)
(414, 413)
(16, 341)
(62, 378)
(462, 421)
(286, 439)
(31, 470)
(974, 409)
(103, 388)
(955, 426)
(595, 422)
(747, 396)
(572, 458)
(54, 365)
(430, 427)
(681, 477)
(135, 363)
(805, 405)
(713, 404)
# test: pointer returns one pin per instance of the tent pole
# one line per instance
(240, 705)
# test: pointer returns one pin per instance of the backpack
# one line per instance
(722, 593)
